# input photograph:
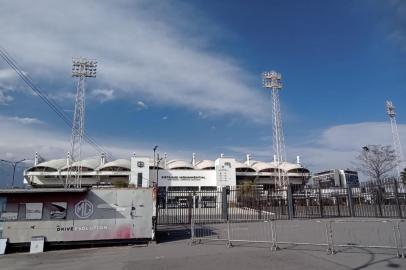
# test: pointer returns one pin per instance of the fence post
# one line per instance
(379, 199)
(289, 201)
(259, 199)
(338, 205)
(229, 243)
(350, 202)
(224, 202)
(190, 204)
(400, 240)
(399, 209)
(192, 233)
(274, 238)
(320, 204)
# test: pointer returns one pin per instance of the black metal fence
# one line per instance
(386, 199)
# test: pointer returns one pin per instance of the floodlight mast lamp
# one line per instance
(82, 68)
(390, 109)
(272, 80)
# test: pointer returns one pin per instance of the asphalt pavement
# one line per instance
(212, 255)
(174, 250)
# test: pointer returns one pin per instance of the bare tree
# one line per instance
(377, 162)
(403, 176)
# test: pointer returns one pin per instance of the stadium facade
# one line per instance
(176, 174)
(335, 178)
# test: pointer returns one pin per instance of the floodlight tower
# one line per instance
(390, 109)
(272, 80)
(82, 68)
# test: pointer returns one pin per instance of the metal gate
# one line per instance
(227, 203)
(250, 202)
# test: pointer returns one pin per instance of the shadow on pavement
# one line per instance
(172, 233)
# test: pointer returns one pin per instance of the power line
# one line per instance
(51, 103)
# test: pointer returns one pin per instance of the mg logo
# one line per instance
(84, 209)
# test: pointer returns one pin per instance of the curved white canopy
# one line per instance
(53, 165)
(91, 164)
(119, 163)
(243, 167)
(205, 164)
(178, 164)
(260, 166)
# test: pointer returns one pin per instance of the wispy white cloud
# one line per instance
(392, 14)
(153, 51)
(4, 97)
(25, 120)
(141, 105)
(7, 80)
(334, 147)
(202, 115)
(22, 137)
(165, 117)
(103, 95)
(7, 74)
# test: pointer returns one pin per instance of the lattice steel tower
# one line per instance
(272, 80)
(390, 109)
(82, 68)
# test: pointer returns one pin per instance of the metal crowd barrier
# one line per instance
(331, 234)
(380, 234)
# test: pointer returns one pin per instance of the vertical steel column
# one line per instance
(224, 202)
(289, 201)
(379, 199)
(350, 202)
(190, 206)
(396, 192)
(321, 204)
(192, 231)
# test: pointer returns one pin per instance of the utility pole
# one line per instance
(272, 80)
(390, 109)
(14, 164)
(82, 68)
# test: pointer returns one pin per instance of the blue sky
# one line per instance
(186, 75)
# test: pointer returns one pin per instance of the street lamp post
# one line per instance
(154, 149)
(366, 150)
(157, 170)
(14, 164)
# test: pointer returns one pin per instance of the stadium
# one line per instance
(173, 174)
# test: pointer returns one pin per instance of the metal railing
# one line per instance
(384, 200)
(329, 233)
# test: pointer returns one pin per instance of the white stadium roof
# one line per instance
(119, 163)
(178, 164)
(54, 164)
(92, 163)
(204, 164)
(95, 164)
